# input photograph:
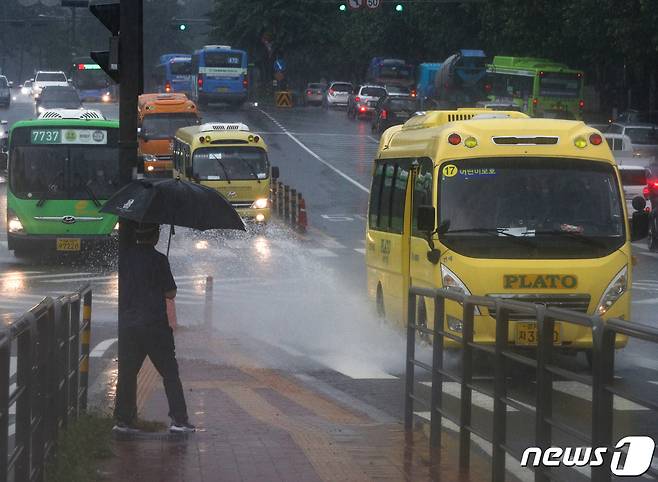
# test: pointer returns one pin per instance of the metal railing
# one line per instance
(49, 348)
(601, 380)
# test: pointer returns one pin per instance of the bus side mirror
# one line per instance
(275, 172)
(426, 218)
(640, 219)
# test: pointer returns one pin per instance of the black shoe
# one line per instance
(123, 428)
(181, 427)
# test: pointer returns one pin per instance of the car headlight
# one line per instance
(260, 203)
(106, 97)
(14, 224)
(150, 168)
(613, 292)
(452, 282)
(41, 109)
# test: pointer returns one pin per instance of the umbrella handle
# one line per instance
(171, 231)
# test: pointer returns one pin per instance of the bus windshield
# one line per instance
(230, 163)
(64, 172)
(554, 84)
(531, 208)
(164, 126)
(180, 68)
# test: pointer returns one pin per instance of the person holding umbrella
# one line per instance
(145, 284)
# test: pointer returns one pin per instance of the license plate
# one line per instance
(222, 89)
(526, 334)
(68, 244)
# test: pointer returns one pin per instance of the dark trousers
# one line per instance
(135, 344)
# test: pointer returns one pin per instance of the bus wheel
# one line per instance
(381, 312)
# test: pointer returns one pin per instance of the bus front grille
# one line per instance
(574, 302)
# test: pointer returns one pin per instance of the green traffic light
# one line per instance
(399, 7)
(342, 7)
(182, 27)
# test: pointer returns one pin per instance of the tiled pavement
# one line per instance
(258, 424)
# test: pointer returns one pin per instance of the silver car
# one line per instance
(314, 94)
(338, 93)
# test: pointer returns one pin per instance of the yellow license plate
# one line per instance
(222, 89)
(526, 334)
(68, 244)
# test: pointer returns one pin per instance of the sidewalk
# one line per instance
(257, 424)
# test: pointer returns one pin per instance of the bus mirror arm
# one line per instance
(433, 255)
(426, 218)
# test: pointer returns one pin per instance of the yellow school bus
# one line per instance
(523, 209)
(231, 159)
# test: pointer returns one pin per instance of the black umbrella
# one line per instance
(174, 202)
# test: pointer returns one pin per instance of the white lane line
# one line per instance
(303, 146)
(330, 243)
(100, 349)
(584, 392)
(478, 399)
(71, 280)
(19, 277)
(322, 253)
(376, 141)
(360, 250)
(640, 246)
(648, 301)
(512, 465)
(355, 369)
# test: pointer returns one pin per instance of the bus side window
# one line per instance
(376, 195)
(398, 192)
(422, 190)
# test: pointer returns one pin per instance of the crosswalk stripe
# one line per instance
(100, 349)
(584, 392)
(322, 253)
(330, 243)
(354, 369)
(360, 250)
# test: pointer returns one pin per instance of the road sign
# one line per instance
(355, 4)
(373, 4)
(283, 99)
(279, 65)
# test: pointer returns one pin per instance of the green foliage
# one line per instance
(80, 448)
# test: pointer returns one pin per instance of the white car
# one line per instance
(46, 79)
(338, 93)
(633, 180)
(622, 148)
(644, 138)
(364, 101)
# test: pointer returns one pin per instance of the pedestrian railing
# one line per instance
(44, 369)
(603, 385)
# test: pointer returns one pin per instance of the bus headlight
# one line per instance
(106, 97)
(260, 203)
(452, 282)
(14, 224)
(613, 292)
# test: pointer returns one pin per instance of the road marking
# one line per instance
(100, 349)
(19, 277)
(478, 399)
(648, 301)
(360, 250)
(71, 280)
(322, 253)
(331, 243)
(376, 141)
(354, 369)
(584, 392)
(303, 146)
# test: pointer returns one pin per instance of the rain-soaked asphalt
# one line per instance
(300, 300)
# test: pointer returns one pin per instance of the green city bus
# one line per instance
(60, 171)
(538, 87)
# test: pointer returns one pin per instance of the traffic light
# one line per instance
(182, 27)
(399, 7)
(342, 7)
(108, 14)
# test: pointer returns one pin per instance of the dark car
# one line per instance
(5, 92)
(58, 97)
(393, 110)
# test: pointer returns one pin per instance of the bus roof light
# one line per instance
(454, 139)
(470, 142)
(596, 139)
(580, 142)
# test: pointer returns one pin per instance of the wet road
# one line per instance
(300, 300)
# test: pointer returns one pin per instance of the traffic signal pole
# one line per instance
(131, 75)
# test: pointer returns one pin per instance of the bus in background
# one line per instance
(174, 74)
(159, 117)
(539, 87)
(62, 167)
(558, 236)
(220, 74)
(92, 83)
(230, 159)
(383, 71)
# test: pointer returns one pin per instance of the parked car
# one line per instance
(5, 92)
(337, 94)
(46, 79)
(364, 100)
(314, 93)
(644, 137)
(57, 97)
(393, 110)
